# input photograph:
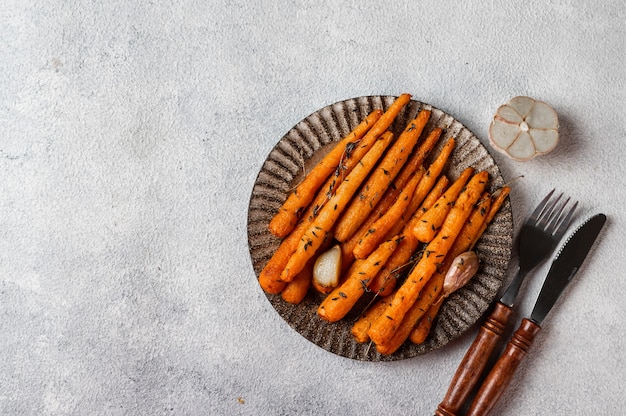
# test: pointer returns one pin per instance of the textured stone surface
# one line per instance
(131, 134)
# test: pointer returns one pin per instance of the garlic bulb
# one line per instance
(524, 128)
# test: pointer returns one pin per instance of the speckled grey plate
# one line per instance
(300, 148)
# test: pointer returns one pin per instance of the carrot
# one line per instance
(288, 214)
(422, 328)
(339, 302)
(362, 325)
(381, 178)
(269, 278)
(391, 195)
(295, 291)
(384, 327)
(426, 184)
(495, 207)
(385, 281)
(413, 165)
(431, 221)
(432, 290)
(377, 231)
(323, 223)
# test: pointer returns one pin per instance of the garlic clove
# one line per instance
(327, 269)
(544, 139)
(506, 132)
(519, 149)
(462, 269)
(524, 128)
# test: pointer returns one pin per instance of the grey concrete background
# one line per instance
(130, 137)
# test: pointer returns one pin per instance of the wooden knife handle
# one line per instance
(500, 375)
(475, 360)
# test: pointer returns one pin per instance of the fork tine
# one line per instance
(558, 233)
(548, 213)
(538, 211)
(555, 217)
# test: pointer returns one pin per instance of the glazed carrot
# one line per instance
(347, 247)
(295, 291)
(422, 328)
(269, 278)
(288, 214)
(400, 260)
(410, 168)
(431, 220)
(362, 325)
(323, 223)
(339, 302)
(495, 207)
(426, 184)
(381, 178)
(384, 327)
(432, 289)
(378, 230)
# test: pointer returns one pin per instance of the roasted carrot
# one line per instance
(432, 289)
(347, 247)
(323, 223)
(381, 178)
(384, 327)
(289, 213)
(362, 325)
(339, 302)
(269, 278)
(295, 291)
(415, 165)
(422, 328)
(378, 230)
(431, 220)
(500, 197)
(399, 262)
(425, 185)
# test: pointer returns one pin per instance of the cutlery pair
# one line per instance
(538, 237)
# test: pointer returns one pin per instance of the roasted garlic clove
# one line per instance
(327, 269)
(524, 128)
(463, 268)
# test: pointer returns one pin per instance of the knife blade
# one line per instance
(564, 267)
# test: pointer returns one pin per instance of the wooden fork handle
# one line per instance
(500, 375)
(473, 364)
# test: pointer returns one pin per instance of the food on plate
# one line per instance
(327, 269)
(339, 302)
(463, 268)
(291, 210)
(414, 166)
(362, 325)
(467, 239)
(384, 327)
(377, 217)
(524, 128)
(328, 214)
(296, 290)
(430, 222)
(381, 178)
(377, 231)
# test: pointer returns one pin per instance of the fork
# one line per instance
(537, 239)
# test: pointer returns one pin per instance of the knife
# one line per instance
(564, 267)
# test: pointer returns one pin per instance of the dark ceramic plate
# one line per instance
(300, 148)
